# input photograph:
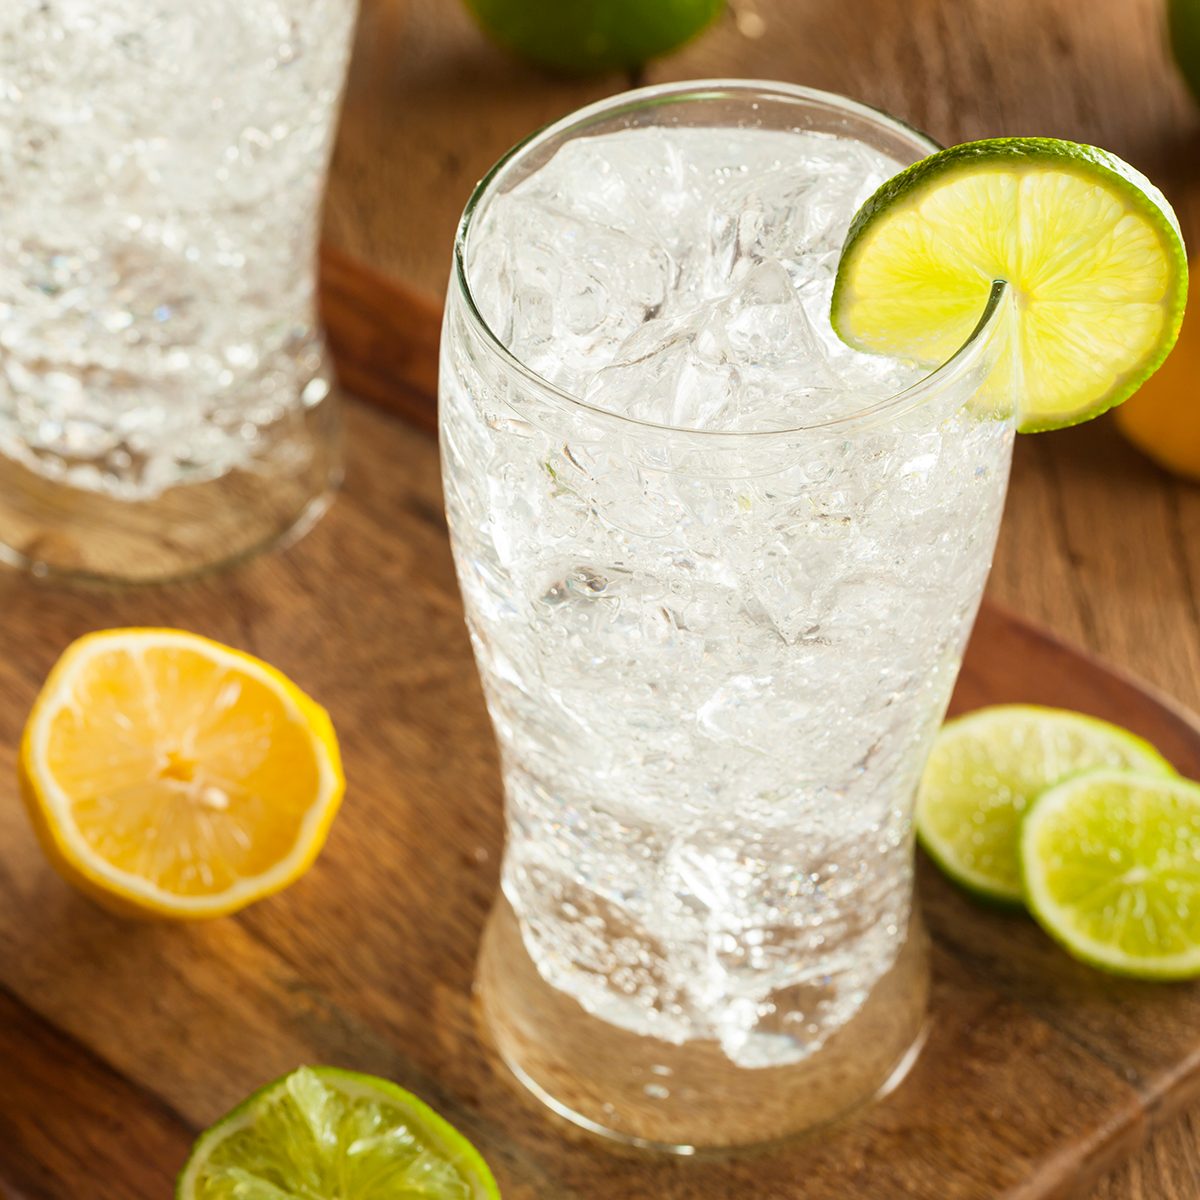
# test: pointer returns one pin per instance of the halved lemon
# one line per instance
(168, 775)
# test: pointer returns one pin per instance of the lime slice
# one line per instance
(986, 769)
(584, 36)
(1112, 871)
(324, 1134)
(1090, 249)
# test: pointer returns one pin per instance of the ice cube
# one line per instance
(794, 211)
(565, 292)
(747, 361)
(700, 280)
(637, 186)
(598, 949)
(795, 935)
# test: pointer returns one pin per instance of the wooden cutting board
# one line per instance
(119, 1041)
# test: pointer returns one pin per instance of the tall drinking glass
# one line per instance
(165, 403)
(719, 572)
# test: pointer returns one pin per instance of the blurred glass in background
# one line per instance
(165, 403)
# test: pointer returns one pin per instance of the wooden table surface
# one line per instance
(1097, 543)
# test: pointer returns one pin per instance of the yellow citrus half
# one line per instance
(170, 776)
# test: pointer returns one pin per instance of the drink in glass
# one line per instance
(719, 572)
(164, 394)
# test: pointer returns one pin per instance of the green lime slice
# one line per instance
(324, 1134)
(986, 769)
(583, 36)
(1089, 247)
(1112, 871)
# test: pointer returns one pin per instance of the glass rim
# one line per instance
(933, 383)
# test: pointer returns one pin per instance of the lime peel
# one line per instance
(587, 36)
(1111, 866)
(344, 1133)
(1091, 249)
(987, 768)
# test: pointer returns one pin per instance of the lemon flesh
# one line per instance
(173, 776)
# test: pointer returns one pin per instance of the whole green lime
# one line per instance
(580, 37)
(1183, 23)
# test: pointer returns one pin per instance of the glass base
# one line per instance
(689, 1098)
(52, 528)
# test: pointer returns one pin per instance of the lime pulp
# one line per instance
(988, 767)
(326, 1134)
(1089, 248)
(1111, 863)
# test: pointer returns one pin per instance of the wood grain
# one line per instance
(117, 1041)
(383, 337)
(1097, 543)
(429, 107)
(1037, 1075)
(68, 1119)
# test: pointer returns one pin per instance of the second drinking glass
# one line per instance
(165, 401)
